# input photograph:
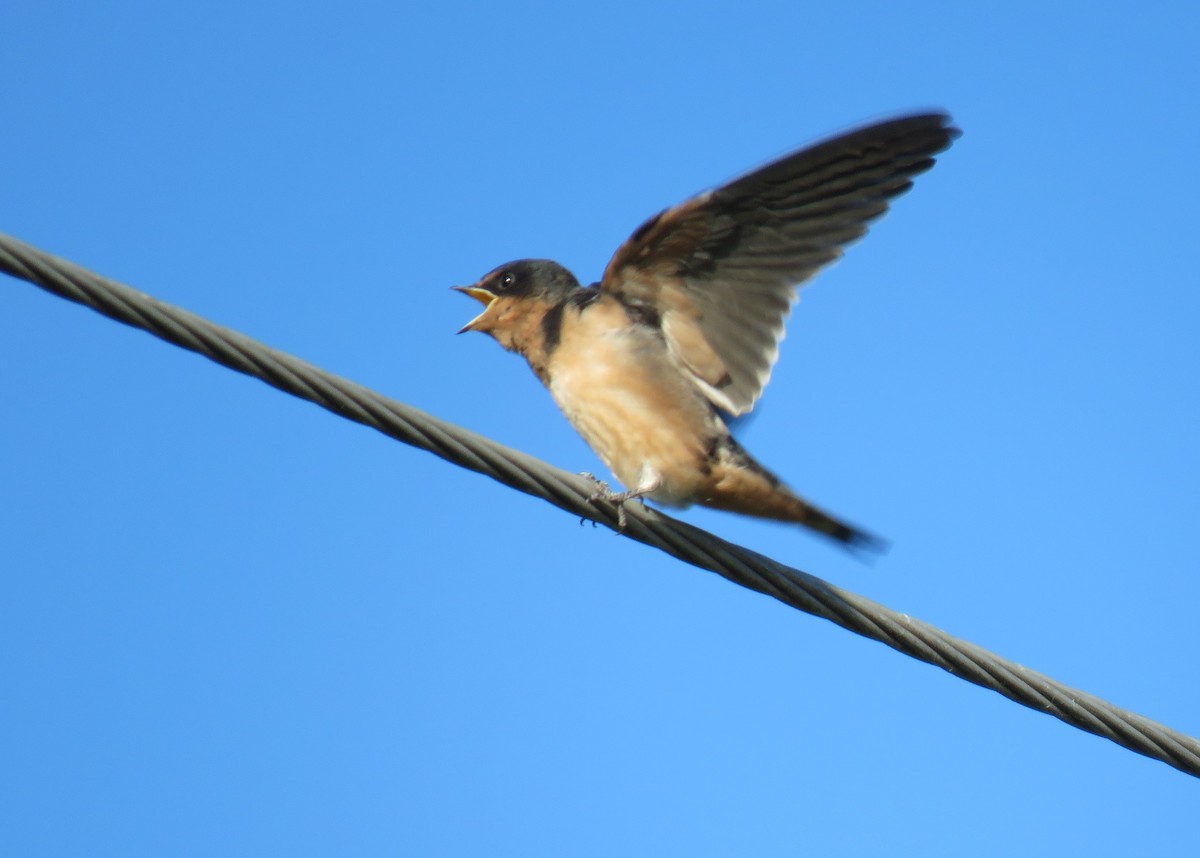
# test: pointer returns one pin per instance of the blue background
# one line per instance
(233, 624)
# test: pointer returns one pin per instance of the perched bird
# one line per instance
(685, 324)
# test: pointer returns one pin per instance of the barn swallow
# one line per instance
(684, 326)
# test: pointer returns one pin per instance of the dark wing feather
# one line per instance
(721, 269)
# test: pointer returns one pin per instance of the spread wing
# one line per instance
(720, 271)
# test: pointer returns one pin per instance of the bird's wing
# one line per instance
(720, 270)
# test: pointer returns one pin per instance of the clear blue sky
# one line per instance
(233, 624)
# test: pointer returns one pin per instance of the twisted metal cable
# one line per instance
(571, 492)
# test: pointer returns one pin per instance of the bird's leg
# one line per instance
(604, 493)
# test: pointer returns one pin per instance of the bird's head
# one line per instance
(515, 298)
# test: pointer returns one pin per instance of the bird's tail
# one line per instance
(751, 489)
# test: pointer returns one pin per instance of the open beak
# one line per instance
(483, 296)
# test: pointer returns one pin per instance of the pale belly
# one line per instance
(644, 420)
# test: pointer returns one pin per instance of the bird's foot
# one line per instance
(601, 486)
(618, 499)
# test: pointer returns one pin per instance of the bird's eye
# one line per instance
(507, 280)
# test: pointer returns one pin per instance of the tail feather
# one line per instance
(742, 485)
(816, 519)
(781, 505)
